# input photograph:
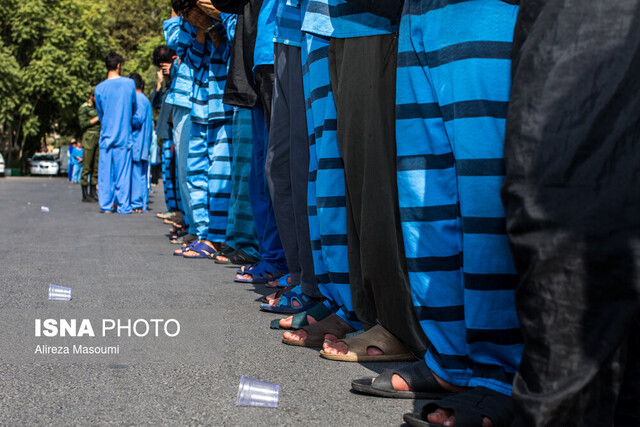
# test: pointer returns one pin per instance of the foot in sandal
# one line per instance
(375, 345)
(331, 327)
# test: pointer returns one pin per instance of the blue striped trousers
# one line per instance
(171, 189)
(453, 84)
(241, 231)
(220, 154)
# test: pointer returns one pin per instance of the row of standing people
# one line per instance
(353, 154)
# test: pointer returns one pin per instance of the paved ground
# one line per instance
(120, 268)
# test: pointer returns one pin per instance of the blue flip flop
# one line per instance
(182, 250)
(261, 273)
(280, 283)
(247, 268)
(203, 250)
(285, 305)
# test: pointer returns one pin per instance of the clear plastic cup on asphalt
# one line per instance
(59, 293)
(44, 209)
(257, 393)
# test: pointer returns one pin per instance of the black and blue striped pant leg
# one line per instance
(168, 178)
(453, 92)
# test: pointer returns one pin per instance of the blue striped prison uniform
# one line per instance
(453, 86)
(326, 195)
(171, 191)
(263, 50)
(198, 158)
(288, 23)
(241, 231)
(219, 136)
(339, 19)
(178, 35)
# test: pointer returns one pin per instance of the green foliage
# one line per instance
(52, 52)
(137, 31)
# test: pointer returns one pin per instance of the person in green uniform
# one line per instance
(90, 125)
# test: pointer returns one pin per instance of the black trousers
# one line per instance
(287, 167)
(363, 79)
(572, 199)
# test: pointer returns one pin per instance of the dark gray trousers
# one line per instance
(363, 79)
(287, 166)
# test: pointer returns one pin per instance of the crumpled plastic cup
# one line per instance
(257, 393)
(59, 293)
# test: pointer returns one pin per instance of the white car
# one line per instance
(44, 164)
(2, 169)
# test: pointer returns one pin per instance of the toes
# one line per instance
(333, 347)
(399, 383)
(441, 417)
(286, 322)
(374, 351)
(299, 335)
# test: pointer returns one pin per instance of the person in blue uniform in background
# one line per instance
(142, 126)
(116, 104)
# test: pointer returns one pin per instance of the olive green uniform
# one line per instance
(90, 140)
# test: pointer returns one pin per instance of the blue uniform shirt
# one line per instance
(142, 125)
(178, 35)
(116, 104)
(229, 21)
(339, 19)
(288, 23)
(263, 53)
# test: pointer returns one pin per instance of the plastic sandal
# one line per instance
(226, 250)
(261, 273)
(417, 375)
(282, 282)
(276, 295)
(240, 257)
(469, 408)
(332, 324)
(300, 320)
(182, 250)
(202, 249)
(285, 305)
(393, 350)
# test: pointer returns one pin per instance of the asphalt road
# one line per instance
(120, 267)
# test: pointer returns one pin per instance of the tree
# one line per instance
(51, 54)
(137, 30)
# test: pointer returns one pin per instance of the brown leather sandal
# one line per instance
(331, 324)
(378, 337)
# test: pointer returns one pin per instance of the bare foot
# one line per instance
(286, 322)
(340, 347)
(273, 302)
(447, 417)
(301, 335)
(191, 253)
(274, 283)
